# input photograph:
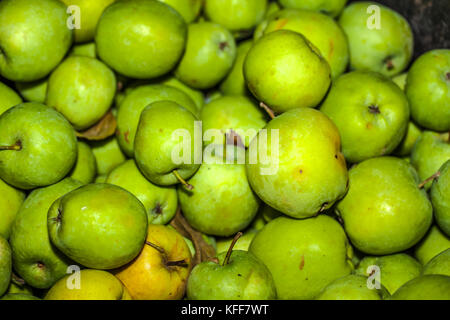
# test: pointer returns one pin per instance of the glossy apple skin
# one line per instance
(112, 239)
(85, 169)
(108, 155)
(245, 277)
(94, 285)
(303, 255)
(209, 56)
(387, 50)
(428, 90)
(75, 84)
(10, 203)
(48, 146)
(434, 242)
(148, 277)
(8, 98)
(426, 287)
(47, 40)
(330, 7)
(395, 269)
(352, 287)
(131, 31)
(371, 113)
(35, 259)
(311, 173)
(285, 71)
(440, 199)
(384, 211)
(322, 30)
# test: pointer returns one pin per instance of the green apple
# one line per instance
(221, 193)
(440, 264)
(330, 7)
(5, 265)
(85, 49)
(303, 256)
(15, 287)
(236, 113)
(8, 98)
(75, 84)
(108, 155)
(268, 213)
(160, 202)
(136, 100)
(32, 57)
(85, 169)
(35, 259)
(209, 56)
(380, 39)
(18, 296)
(305, 171)
(434, 242)
(272, 7)
(131, 31)
(101, 178)
(240, 17)
(38, 146)
(400, 80)
(90, 12)
(440, 198)
(322, 30)
(395, 270)
(430, 152)
(384, 210)
(10, 203)
(371, 113)
(35, 91)
(156, 143)
(428, 90)
(239, 276)
(243, 243)
(94, 285)
(285, 70)
(427, 287)
(196, 95)
(352, 287)
(190, 10)
(405, 147)
(112, 239)
(234, 83)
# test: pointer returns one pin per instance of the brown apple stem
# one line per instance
(267, 109)
(15, 147)
(178, 263)
(434, 176)
(230, 249)
(182, 181)
(161, 250)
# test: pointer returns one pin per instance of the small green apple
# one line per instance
(330, 7)
(85, 169)
(8, 98)
(400, 80)
(84, 49)
(427, 287)
(285, 70)
(384, 211)
(380, 39)
(38, 146)
(190, 10)
(5, 265)
(196, 95)
(108, 155)
(405, 147)
(10, 203)
(35, 91)
(440, 264)
(303, 256)
(131, 31)
(440, 199)
(434, 242)
(34, 38)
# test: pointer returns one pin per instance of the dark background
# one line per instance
(429, 19)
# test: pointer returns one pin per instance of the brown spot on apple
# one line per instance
(302, 263)
(281, 23)
(125, 135)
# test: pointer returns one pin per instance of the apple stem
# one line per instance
(161, 250)
(434, 176)
(178, 263)
(267, 109)
(182, 181)
(15, 147)
(230, 249)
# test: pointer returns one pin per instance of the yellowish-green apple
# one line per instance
(385, 211)
(157, 141)
(88, 49)
(405, 147)
(395, 269)
(8, 98)
(35, 91)
(426, 287)
(161, 270)
(131, 31)
(428, 90)
(371, 113)
(38, 146)
(380, 39)
(85, 169)
(35, 259)
(34, 38)
(302, 172)
(108, 155)
(5, 265)
(190, 9)
(10, 203)
(322, 30)
(434, 242)
(196, 95)
(440, 264)
(285, 70)
(93, 285)
(400, 80)
(440, 198)
(330, 7)
(209, 56)
(160, 202)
